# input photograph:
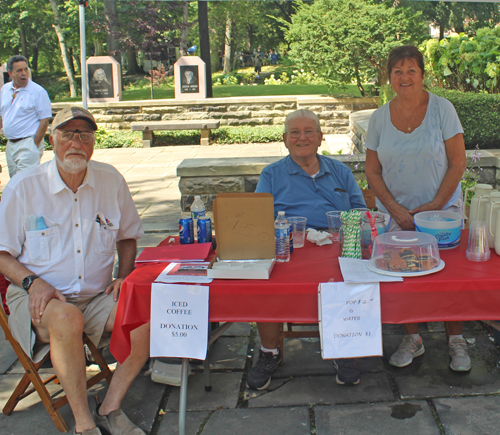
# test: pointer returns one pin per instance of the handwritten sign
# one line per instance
(179, 321)
(349, 319)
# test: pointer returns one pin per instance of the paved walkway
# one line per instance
(303, 399)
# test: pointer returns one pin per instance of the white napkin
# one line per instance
(318, 237)
(356, 270)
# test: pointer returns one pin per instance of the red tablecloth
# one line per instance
(463, 290)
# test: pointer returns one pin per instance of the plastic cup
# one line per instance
(298, 224)
(333, 224)
(478, 249)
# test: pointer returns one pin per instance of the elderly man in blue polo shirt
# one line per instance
(307, 184)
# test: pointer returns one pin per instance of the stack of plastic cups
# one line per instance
(478, 249)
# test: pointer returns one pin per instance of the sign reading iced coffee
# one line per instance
(190, 78)
(104, 79)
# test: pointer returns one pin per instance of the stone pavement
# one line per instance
(423, 398)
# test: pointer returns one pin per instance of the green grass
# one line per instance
(225, 91)
(137, 87)
(263, 90)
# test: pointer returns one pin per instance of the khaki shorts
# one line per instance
(95, 312)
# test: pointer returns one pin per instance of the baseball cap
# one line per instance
(69, 113)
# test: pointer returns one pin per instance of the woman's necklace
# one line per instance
(414, 113)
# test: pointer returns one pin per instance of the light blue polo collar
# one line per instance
(294, 168)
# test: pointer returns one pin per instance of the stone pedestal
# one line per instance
(104, 79)
(4, 75)
(190, 78)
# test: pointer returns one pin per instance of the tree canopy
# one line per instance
(341, 40)
(345, 41)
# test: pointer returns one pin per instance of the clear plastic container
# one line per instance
(197, 208)
(282, 233)
(405, 252)
(370, 228)
(444, 225)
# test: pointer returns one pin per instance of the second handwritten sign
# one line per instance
(350, 322)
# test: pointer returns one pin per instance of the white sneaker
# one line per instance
(460, 361)
(408, 350)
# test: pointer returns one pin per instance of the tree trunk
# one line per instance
(249, 41)
(64, 49)
(183, 45)
(133, 66)
(358, 81)
(22, 37)
(34, 61)
(227, 46)
(98, 49)
(205, 44)
(111, 14)
(70, 58)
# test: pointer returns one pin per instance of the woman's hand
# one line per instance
(425, 207)
(403, 217)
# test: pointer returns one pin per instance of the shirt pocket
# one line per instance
(341, 200)
(44, 246)
(106, 232)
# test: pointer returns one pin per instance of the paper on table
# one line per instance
(185, 272)
(178, 253)
(355, 270)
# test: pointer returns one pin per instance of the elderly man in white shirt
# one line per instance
(60, 224)
(24, 116)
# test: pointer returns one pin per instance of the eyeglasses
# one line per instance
(85, 136)
(296, 134)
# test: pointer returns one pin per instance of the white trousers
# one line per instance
(23, 154)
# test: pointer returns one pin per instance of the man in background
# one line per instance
(24, 116)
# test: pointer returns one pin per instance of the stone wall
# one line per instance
(487, 167)
(235, 111)
(207, 177)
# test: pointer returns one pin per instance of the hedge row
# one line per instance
(223, 135)
(479, 114)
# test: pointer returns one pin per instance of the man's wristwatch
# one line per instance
(28, 281)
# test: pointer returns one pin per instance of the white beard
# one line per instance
(73, 165)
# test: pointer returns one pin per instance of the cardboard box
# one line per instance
(244, 227)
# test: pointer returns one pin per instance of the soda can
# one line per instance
(204, 229)
(186, 234)
(290, 229)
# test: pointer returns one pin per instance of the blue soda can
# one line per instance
(186, 234)
(204, 229)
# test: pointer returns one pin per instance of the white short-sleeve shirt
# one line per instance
(75, 253)
(414, 164)
(21, 115)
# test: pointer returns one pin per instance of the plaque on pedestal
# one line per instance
(104, 79)
(4, 75)
(190, 78)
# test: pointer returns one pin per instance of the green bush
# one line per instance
(306, 78)
(465, 63)
(117, 139)
(283, 80)
(223, 135)
(228, 135)
(479, 114)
